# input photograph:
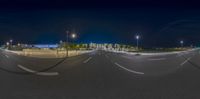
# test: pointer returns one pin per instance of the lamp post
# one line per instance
(73, 35)
(67, 38)
(137, 38)
(11, 41)
(7, 44)
(182, 42)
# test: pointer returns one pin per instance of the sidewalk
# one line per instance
(155, 53)
(49, 53)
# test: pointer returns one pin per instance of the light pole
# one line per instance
(7, 44)
(67, 37)
(73, 35)
(11, 41)
(137, 38)
(182, 42)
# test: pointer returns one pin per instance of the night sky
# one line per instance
(160, 24)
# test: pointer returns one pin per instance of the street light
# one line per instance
(61, 41)
(182, 42)
(67, 36)
(137, 38)
(73, 35)
(18, 44)
(11, 42)
(7, 43)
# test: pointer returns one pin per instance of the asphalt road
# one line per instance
(101, 75)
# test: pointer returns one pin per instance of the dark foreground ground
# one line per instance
(102, 75)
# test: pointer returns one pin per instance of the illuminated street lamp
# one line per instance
(61, 41)
(7, 43)
(182, 42)
(137, 38)
(73, 35)
(11, 41)
(18, 44)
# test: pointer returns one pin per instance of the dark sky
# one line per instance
(161, 24)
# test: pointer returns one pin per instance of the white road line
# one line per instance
(38, 73)
(157, 59)
(26, 69)
(132, 71)
(185, 61)
(6, 56)
(87, 60)
(48, 73)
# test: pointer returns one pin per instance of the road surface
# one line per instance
(101, 75)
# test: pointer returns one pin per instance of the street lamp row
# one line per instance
(9, 43)
(138, 37)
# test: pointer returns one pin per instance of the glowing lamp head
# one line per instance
(137, 37)
(181, 42)
(73, 35)
(7, 43)
(61, 41)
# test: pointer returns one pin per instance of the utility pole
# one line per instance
(67, 43)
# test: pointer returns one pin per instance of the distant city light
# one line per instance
(137, 37)
(73, 35)
(181, 41)
(61, 41)
(7, 43)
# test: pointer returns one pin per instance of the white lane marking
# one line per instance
(157, 59)
(6, 56)
(38, 73)
(26, 69)
(87, 60)
(185, 61)
(132, 71)
(48, 73)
